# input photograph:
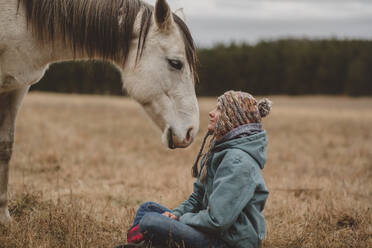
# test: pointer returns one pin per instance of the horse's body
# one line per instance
(151, 47)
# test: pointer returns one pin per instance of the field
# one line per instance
(83, 164)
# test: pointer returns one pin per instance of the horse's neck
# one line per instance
(26, 57)
(59, 51)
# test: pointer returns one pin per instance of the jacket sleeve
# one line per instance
(233, 188)
(194, 203)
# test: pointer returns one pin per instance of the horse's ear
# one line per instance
(181, 14)
(163, 15)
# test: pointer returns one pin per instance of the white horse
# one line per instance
(151, 47)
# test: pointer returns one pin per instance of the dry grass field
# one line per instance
(83, 164)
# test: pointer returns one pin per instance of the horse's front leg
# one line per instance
(9, 105)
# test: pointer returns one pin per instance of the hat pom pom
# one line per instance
(264, 106)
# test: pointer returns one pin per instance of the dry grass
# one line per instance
(83, 164)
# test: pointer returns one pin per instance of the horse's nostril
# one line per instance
(188, 134)
(170, 139)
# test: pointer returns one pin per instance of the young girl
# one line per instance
(225, 209)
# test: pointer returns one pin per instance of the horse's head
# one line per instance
(160, 73)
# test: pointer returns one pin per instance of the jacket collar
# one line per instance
(241, 131)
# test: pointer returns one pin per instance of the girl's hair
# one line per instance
(195, 169)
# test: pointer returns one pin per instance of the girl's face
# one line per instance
(213, 118)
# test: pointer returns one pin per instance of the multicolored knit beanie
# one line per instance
(236, 109)
(239, 108)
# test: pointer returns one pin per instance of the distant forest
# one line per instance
(291, 67)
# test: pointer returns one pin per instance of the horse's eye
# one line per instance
(175, 63)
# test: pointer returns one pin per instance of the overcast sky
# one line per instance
(213, 21)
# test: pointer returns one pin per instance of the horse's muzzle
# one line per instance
(174, 142)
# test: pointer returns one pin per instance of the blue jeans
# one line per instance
(161, 230)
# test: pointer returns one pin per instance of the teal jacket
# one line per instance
(231, 201)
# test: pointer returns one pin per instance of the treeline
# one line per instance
(294, 67)
(81, 77)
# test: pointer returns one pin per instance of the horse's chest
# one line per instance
(20, 65)
(15, 79)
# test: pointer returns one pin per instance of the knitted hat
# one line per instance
(239, 108)
(236, 108)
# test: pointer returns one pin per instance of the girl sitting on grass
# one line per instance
(225, 209)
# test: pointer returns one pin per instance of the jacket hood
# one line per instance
(255, 145)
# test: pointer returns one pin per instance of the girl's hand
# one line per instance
(170, 215)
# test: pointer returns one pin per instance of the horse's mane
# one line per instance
(92, 27)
